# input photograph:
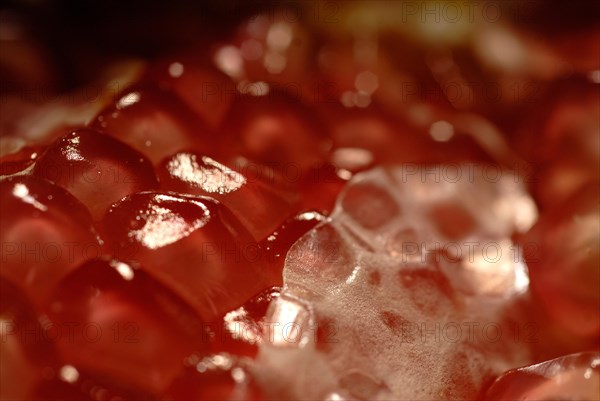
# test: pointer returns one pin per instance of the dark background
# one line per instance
(81, 37)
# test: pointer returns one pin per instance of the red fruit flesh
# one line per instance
(321, 186)
(240, 331)
(194, 245)
(572, 377)
(280, 241)
(216, 377)
(72, 383)
(45, 233)
(98, 169)
(117, 317)
(320, 203)
(27, 356)
(563, 257)
(275, 129)
(202, 87)
(154, 122)
(257, 204)
(19, 161)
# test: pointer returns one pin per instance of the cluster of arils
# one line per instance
(145, 233)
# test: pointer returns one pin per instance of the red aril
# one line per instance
(155, 122)
(20, 160)
(27, 357)
(215, 377)
(320, 187)
(570, 377)
(274, 47)
(562, 255)
(98, 169)
(276, 129)
(72, 383)
(193, 245)
(200, 85)
(386, 139)
(258, 205)
(279, 242)
(240, 331)
(117, 317)
(560, 139)
(560, 179)
(46, 233)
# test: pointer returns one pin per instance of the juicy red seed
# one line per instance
(239, 332)
(155, 122)
(72, 383)
(203, 88)
(19, 161)
(562, 255)
(280, 241)
(555, 182)
(459, 148)
(205, 379)
(258, 205)
(46, 234)
(119, 318)
(256, 33)
(256, 307)
(26, 352)
(565, 124)
(386, 139)
(571, 377)
(560, 139)
(275, 129)
(194, 245)
(320, 188)
(98, 169)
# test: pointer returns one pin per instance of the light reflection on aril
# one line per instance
(211, 176)
(193, 245)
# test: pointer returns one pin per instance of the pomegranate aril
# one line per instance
(26, 64)
(561, 140)
(321, 186)
(347, 69)
(120, 317)
(240, 331)
(27, 355)
(255, 308)
(202, 87)
(385, 139)
(20, 160)
(96, 168)
(272, 47)
(275, 129)
(215, 377)
(193, 245)
(71, 383)
(279, 242)
(570, 377)
(569, 123)
(557, 181)
(563, 257)
(155, 122)
(257, 204)
(45, 235)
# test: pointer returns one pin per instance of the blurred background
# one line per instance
(61, 45)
